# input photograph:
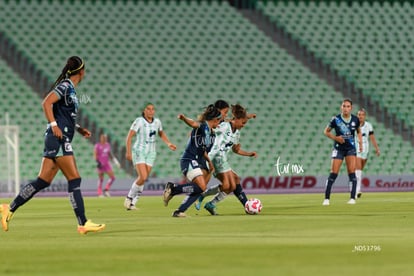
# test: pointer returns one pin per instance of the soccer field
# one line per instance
(294, 235)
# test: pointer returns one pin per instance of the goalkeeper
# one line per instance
(103, 156)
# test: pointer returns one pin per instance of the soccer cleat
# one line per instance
(89, 226)
(178, 214)
(211, 208)
(128, 203)
(132, 208)
(107, 194)
(166, 196)
(351, 201)
(197, 205)
(6, 216)
(359, 195)
(325, 202)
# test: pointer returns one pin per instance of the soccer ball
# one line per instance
(253, 206)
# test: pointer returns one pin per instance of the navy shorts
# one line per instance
(55, 147)
(192, 168)
(341, 154)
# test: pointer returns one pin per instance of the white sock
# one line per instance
(358, 174)
(137, 196)
(219, 197)
(135, 189)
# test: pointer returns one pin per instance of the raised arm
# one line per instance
(190, 122)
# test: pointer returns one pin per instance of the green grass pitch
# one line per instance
(294, 235)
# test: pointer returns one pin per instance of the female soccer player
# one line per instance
(60, 107)
(143, 153)
(362, 156)
(227, 139)
(345, 125)
(102, 154)
(194, 159)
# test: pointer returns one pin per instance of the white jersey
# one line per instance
(366, 131)
(146, 134)
(225, 139)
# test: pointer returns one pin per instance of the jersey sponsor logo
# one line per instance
(345, 131)
(152, 133)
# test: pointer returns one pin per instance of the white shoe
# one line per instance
(132, 208)
(178, 214)
(325, 202)
(351, 201)
(128, 203)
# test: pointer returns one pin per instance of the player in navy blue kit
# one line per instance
(194, 159)
(345, 125)
(60, 107)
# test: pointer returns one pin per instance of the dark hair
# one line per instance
(221, 104)
(347, 100)
(210, 113)
(238, 111)
(144, 107)
(73, 66)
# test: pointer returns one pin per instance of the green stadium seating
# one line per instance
(183, 55)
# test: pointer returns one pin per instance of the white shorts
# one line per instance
(143, 158)
(362, 155)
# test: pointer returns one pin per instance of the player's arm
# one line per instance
(210, 164)
(327, 132)
(47, 106)
(359, 134)
(251, 116)
(374, 143)
(83, 131)
(128, 142)
(95, 156)
(190, 122)
(164, 137)
(237, 149)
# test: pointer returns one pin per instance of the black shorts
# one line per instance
(56, 147)
(340, 154)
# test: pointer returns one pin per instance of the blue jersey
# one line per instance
(201, 140)
(346, 129)
(66, 108)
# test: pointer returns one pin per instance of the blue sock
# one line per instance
(27, 192)
(76, 199)
(191, 198)
(187, 188)
(329, 182)
(353, 180)
(239, 193)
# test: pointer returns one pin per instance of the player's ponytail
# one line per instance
(211, 112)
(73, 66)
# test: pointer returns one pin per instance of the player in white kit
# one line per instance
(143, 153)
(362, 157)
